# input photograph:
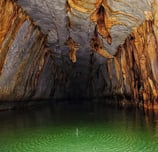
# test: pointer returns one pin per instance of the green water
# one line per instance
(78, 128)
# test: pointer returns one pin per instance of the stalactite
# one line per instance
(96, 45)
(101, 13)
(106, 18)
(73, 46)
(100, 18)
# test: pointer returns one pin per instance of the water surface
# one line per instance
(78, 128)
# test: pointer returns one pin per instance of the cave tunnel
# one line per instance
(78, 75)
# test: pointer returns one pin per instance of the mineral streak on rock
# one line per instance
(96, 45)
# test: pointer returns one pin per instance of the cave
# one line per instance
(78, 75)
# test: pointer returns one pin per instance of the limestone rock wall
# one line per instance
(76, 57)
(28, 68)
(136, 68)
(23, 54)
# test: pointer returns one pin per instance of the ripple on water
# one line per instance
(88, 139)
(117, 135)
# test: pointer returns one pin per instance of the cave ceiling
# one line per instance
(74, 26)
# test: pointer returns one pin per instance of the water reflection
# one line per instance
(78, 127)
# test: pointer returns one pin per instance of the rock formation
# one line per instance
(23, 54)
(79, 49)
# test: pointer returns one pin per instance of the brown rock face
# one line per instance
(138, 66)
(79, 49)
(22, 53)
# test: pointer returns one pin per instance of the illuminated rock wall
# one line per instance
(28, 69)
(88, 49)
(22, 54)
(137, 71)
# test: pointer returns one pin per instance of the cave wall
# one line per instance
(136, 66)
(29, 69)
(23, 54)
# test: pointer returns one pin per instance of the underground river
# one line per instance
(84, 127)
